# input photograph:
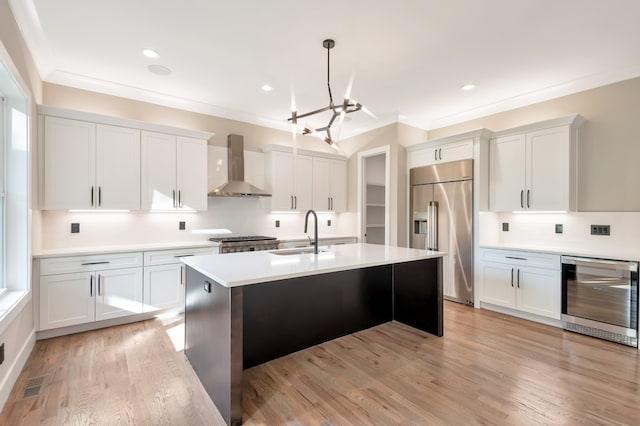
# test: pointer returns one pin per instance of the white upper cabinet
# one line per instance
(69, 164)
(295, 181)
(92, 161)
(192, 173)
(118, 167)
(90, 166)
(174, 172)
(535, 169)
(439, 152)
(329, 184)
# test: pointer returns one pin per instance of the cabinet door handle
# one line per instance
(99, 196)
(292, 202)
(104, 262)
(207, 286)
(180, 198)
(92, 196)
(91, 286)
(99, 285)
(174, 198)
(518, 278)
(329, 202)
(295, 201)
(183, 271)
(511, 277)
(440, 153)
(522, 198)
(183, 255)
(528, 192)
(435, 154)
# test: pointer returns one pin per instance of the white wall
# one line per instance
(538, 229)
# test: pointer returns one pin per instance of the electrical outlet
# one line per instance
(2, 353)
(600, 229)
(558, 228)
(182, 225)
(277, 224)
(75, 228)
(505, 226)
(328, 222)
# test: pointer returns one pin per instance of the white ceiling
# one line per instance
(409, 58)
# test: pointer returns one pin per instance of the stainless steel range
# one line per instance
(246, 243)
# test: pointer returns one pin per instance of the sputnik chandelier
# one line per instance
(338, 111)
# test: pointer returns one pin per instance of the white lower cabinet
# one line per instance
(78, 290)
(82, 297)
(523, 281)
(164, 278)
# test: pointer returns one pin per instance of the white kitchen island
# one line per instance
(243, 309)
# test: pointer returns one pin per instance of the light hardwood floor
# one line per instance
(487, 369)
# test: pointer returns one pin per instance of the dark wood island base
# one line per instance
(228, 329)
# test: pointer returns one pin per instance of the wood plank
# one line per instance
(489, 368)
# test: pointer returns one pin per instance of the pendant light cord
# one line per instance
(328, 79)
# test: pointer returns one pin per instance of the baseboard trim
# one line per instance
(16, 368)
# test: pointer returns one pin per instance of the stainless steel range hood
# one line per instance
(236, 185)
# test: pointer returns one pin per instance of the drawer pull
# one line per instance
(96, 263)
(183, 255)
(515, 258)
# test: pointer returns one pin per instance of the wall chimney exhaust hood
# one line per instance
(236, 186)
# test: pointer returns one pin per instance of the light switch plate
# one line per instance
(75, 228)
(505, 226)
(559, 228)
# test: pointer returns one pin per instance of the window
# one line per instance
(15, 256)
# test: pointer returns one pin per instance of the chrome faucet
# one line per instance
(315, 229)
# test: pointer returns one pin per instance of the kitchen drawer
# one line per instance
(165, 257)
(72, 264)
(521, 258)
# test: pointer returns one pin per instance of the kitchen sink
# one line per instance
(295, 251)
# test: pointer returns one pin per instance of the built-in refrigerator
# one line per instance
(441, 218)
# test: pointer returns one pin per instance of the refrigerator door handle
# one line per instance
(433, 227)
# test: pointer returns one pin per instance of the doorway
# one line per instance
(373, 195)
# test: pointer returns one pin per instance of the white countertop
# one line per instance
(620, 254)
(303, 237)
(122, 248)
(238, 269)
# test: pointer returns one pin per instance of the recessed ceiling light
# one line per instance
(150, 53)
(266, 88)
(469, 86)
(159, 69)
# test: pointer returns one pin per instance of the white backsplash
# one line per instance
(538, 229)
(240, 215)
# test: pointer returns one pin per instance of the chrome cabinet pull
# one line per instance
(511, 277)
(522, 199)
(182, 274)
(528, 192)
(91, 286)
(104, 262)
(295, 201)
(92, 196)
(99, 196)
(292, 202)
(435, 154)
(518, 278)
(515, 258)
(329, 202)
(440, 153)
(180, 198)
(99, 285)
(174, 198)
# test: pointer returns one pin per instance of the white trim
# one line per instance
(362, 155)
(16, 368)
(289, 149)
